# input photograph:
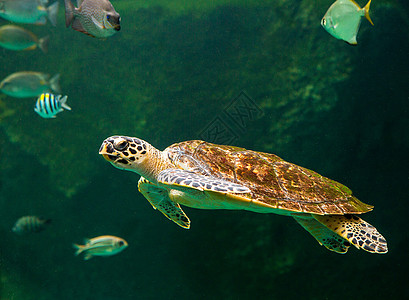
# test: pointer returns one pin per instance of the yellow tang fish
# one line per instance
(343, 18)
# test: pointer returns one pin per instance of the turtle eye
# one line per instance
(122, 145)
(108, 17)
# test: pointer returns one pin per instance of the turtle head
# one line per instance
(125, 152)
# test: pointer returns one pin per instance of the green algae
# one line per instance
(148, 79)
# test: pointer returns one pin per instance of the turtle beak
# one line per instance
(106, 151)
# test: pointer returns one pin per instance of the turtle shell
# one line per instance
(272, 181)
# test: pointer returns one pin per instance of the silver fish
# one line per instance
(29, 84)
(30, 224)
(96, 18)
(17, 38)
(105, 245)
(28, 11)
(48, 105)
(343, 18)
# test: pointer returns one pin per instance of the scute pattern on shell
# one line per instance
(272, 180)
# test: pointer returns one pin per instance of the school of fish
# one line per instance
(99, 19)
(96, 18)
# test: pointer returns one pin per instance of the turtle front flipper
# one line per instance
(178, 177)
(326, 237)
(159, 199)
(358, 232)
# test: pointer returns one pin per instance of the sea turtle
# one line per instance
(202, 175)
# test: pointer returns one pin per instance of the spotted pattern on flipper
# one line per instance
(324, 236)
(358, 232)
(159, 199)
(200, 182)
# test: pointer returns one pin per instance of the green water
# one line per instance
(177, 71)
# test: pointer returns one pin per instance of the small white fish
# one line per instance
(29, 11)
(105, 245)
(29, 84)
(17, 38)
(29, 224)
(96, 18)
(343, 18)
(48, 105)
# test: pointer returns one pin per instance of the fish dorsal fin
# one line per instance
(353, 1)
(76, 25)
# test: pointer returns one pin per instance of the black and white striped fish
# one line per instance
(48, 105)
(29, 224)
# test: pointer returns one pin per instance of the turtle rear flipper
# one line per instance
(326, 237)
(358, 232)
(159, 199)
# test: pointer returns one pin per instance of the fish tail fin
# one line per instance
(54, 84)
(43, 43)
(52, 13)
(79, 248)
(63, 102)
(366, 11)
(69, 12)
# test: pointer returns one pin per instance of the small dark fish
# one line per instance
(30, 224)
(96, 18)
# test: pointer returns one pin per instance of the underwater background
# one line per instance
(177, 71)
